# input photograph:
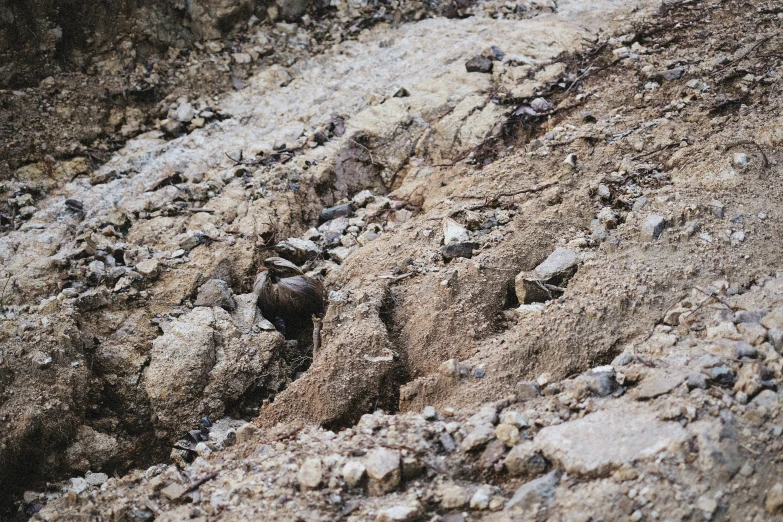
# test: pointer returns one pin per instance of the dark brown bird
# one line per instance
(286, 296)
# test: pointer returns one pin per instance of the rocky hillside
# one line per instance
(547, 233)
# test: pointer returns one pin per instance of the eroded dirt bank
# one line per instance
(642, 386)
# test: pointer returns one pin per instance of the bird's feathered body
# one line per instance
(284, 292)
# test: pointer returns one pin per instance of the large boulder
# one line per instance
(206, 359)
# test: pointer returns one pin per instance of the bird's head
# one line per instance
(280, 267)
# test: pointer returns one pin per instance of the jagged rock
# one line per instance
(453, 496)
(453, 232)
(338, 211)
(556, 270)
(353, 472)
(398, 514)
(202, 360)
(310, 473)
(652, 227)
(534, 494)
(455, 250)
(523, 459)
(603, 441)
(298, 251)
(480, 64)
(383, 468)
(478, 437)
(215, 292)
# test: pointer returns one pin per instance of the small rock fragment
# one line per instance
(533, 494)
(774, 499)
(148, 269)
(353, 472)
(383, 468)
(215, 292)
(453, 496)
(344, 210)
(398, 514)
(479, 64)
(311, 473)
(455, 250)
(652, 227)
(478, 437)
(453, 232)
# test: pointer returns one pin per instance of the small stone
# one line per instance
(774, 499)
(534, 493)
(96, 479)
(215, 292)
(453, 496)
(527, 390)
(340, 254)
(398, 514)
(363, 198)
(383, 468)
(697, 380)
(639, 204)
(508, 434)
(775, 337)
(707, 504)
(242, 57)
(453, 232)
(337, 211)
(604, 192)
(173, 491)
(450, 368)
(480, 499)
(477, 438)
(652, 227)
(514, 418)
(524, 460)
(78, 485)
(746, 351)
(298, 251)
(746, 470)
(353, 472)
(724, 330)
(753, 333)
(429, 413)
(184, 113)
(41, 360)
(148, 269)
(740, 160)
(672, 74)
(656, 384)
(246, 432)
(455, 250)
(447, 441)
(202, 450)
(496, 503)
(480, 64)
(310, 473)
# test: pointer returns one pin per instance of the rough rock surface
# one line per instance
(345, 141)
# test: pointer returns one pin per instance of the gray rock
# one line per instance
(215, 292)
(534, 494)
(601, 383)
(775, 337)
(523, 459)
(338, 211)
(527, 390)
(455, 250)
(447, 441)
(652, 227)
(298, 251)
(184, 113)
(96, 271)
(310, 473)
(639, 204)
(292, 10)
(719, 453)
(750, 316)
(657, 383)
(363, 198)
(453, 232)
(96, 479)
(773, 502)
(383, 468)
(148, 269)
(480, 64)
(697, 380)
(598, 443)
(353, 472)
(398, 514)
(672, 74)
(477, 438)
(556, 270)
(746, 350)
(429, 413)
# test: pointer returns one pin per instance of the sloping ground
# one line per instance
(651, 156)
